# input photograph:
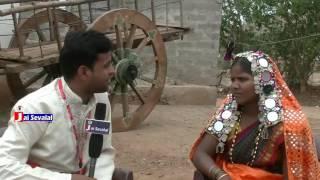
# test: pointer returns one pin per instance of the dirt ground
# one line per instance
(158, 149)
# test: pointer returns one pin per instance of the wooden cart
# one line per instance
(31, 60)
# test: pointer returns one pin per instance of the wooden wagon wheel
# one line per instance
(141, 65)
(37, 26)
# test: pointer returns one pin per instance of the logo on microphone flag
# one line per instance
(97, 126)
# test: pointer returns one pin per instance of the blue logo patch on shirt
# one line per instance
(97, 126)
(20, 117)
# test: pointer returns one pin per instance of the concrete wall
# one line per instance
(193, 59)
(6, 28)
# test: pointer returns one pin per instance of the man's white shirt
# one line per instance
(52, 145)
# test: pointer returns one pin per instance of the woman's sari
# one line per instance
(291, 139)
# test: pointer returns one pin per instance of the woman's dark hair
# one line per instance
(244, 63)
(82, 48)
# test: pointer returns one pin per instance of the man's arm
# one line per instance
(15, 146)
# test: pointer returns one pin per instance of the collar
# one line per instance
(73, 98)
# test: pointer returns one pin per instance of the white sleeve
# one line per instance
(105, 163)
(15, 145)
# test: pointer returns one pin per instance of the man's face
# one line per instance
(102, 73)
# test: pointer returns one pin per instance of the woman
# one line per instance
(260, 131)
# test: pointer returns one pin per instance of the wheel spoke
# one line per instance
(115, 58)
(152, 60)
(142, 44)
(41, 36)
(129, 41)
(124, 100)
(34, 78)
(119, 40)
(113, 93)
(125, 31)
(137, 93)
(47, 80)
(149, 80)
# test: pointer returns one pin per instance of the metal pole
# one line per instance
(181, 13)
(17, 33)
(153, 12)
(122, 3)
(80, 13)
(136, 5)
(167, 16)
(109, 5)
(90, 12)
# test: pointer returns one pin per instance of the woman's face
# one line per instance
(242, 86)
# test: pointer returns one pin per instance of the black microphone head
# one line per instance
(100, 113)
(95, 145)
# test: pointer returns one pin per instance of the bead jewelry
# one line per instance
(270, 108)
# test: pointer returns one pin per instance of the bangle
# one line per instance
(213, 170)
(223, 175)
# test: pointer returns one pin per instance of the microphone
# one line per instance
(96, 140)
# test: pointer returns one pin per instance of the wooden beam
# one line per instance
(11, 57)
(2, 2)
(40, 5)
(56, 29)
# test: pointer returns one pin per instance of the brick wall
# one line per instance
(193, 59)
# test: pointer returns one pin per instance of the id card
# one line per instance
(97, 126)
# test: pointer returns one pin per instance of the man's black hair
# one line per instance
(82, 48)
(244, 63)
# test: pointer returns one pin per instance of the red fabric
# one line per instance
(244, 172)
(32, 164)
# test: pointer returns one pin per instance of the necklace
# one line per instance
(254, 150)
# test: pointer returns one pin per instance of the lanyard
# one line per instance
(79, 150)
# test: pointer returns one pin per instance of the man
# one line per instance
(59, 150)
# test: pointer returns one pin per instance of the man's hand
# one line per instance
(81, 177)
(225, 178)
